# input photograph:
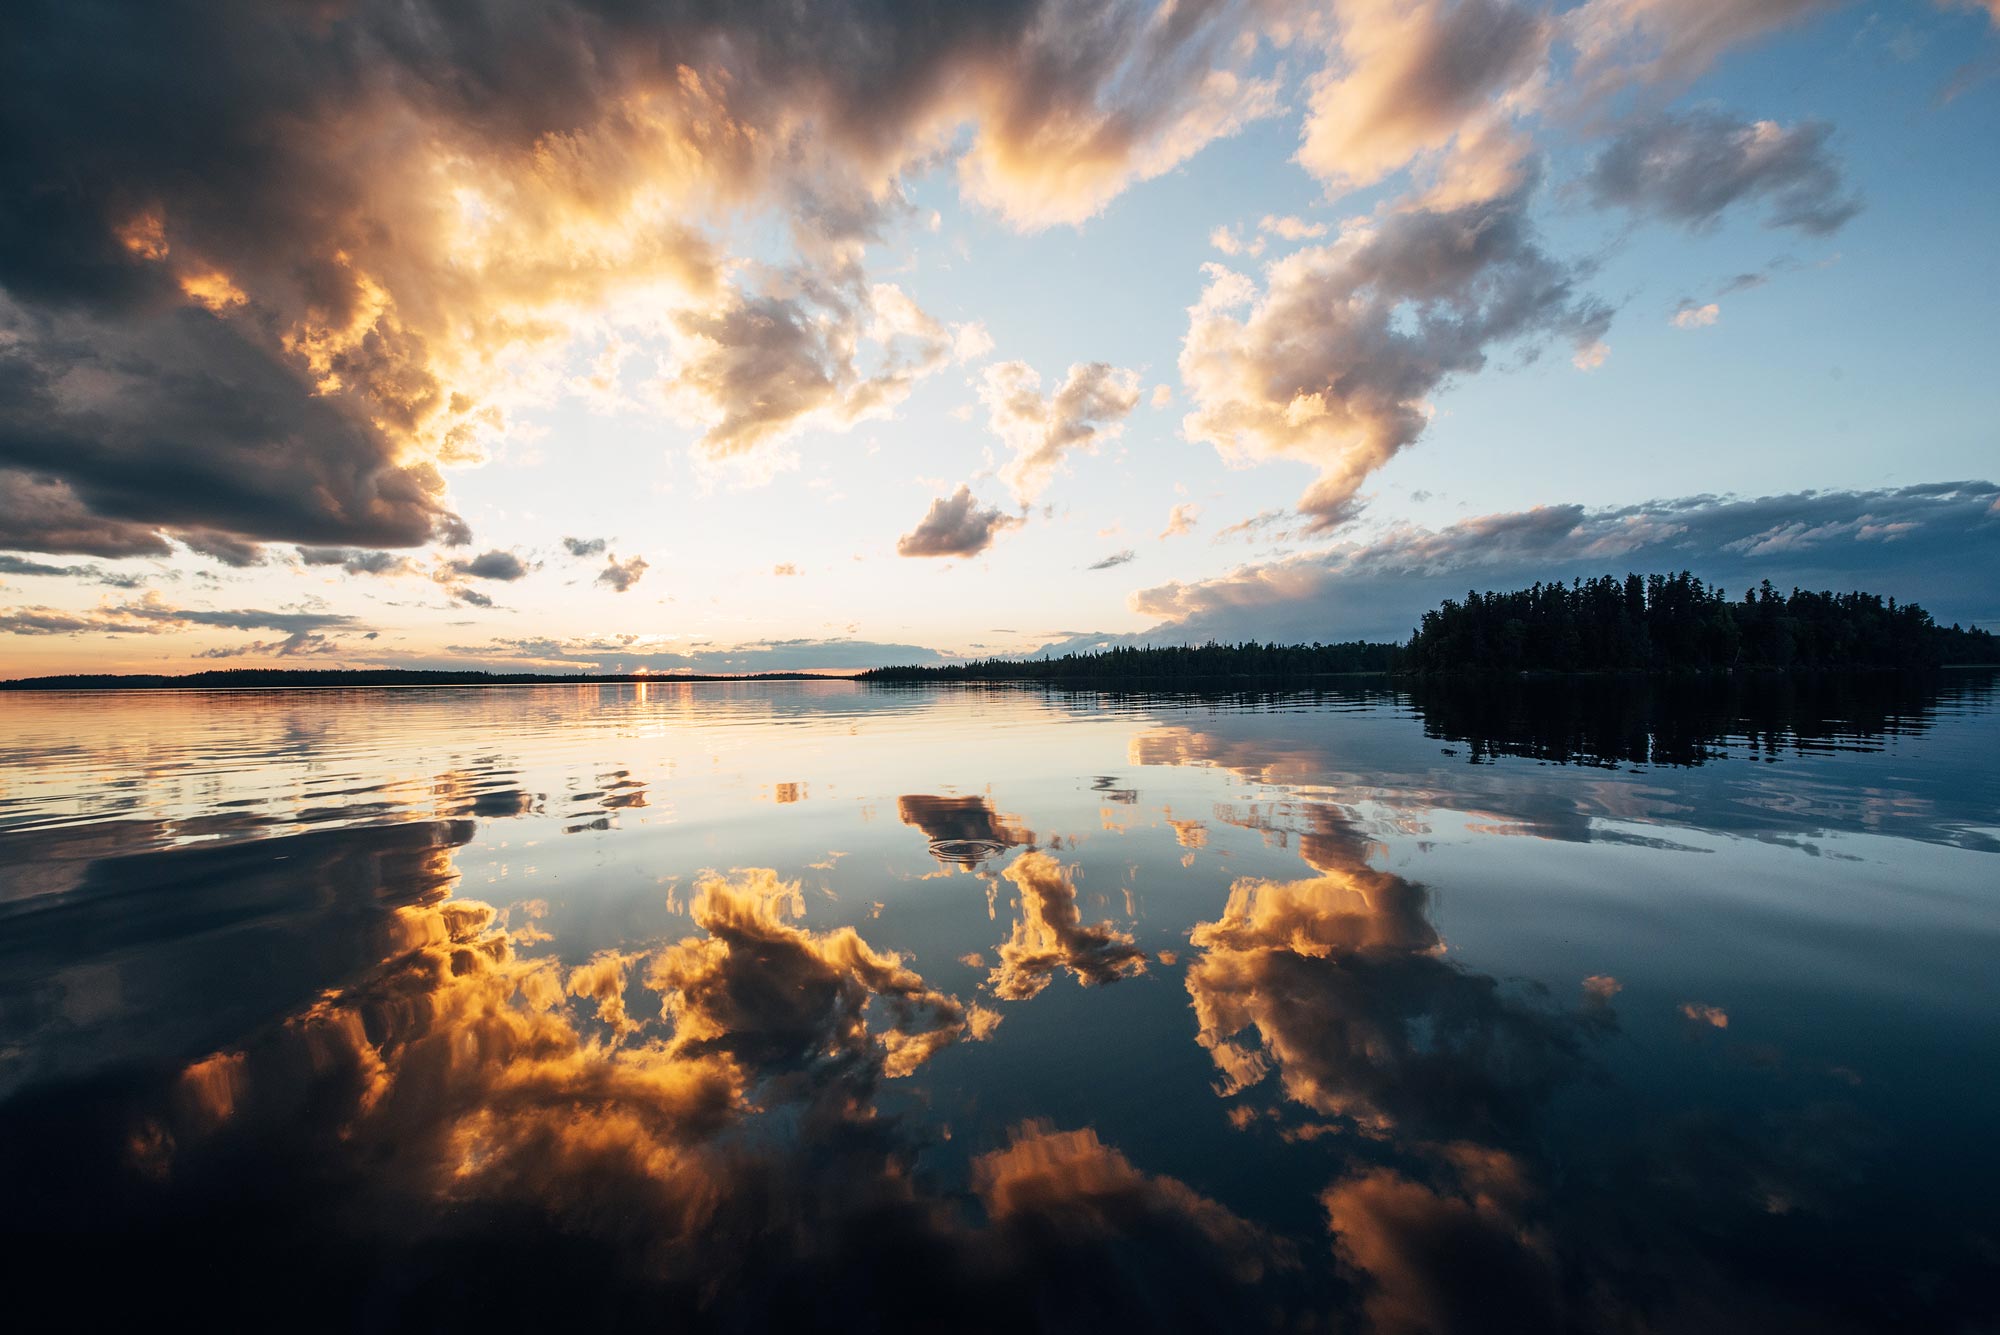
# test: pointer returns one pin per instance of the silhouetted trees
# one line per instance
(253, 678)
(1164, 664)
(1675, 623)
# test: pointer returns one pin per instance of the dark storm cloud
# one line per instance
(495, 565)
(1935, 543)
(39, 513)
(1689, 167)
(15, 565)
(230, 248)
(584, 546)
(230, 551)
(955, 525)
(188, 427)
(357, 561)
(621, 575)
(115, 579)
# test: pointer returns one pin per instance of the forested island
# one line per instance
(1638, 624)
(267, 678)
(1675, 623)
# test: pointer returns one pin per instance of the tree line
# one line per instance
(1164, 664)
(1641, 623)
(260, 678)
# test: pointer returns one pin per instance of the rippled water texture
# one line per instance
(817, 1005)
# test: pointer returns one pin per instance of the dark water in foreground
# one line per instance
(821, 1006)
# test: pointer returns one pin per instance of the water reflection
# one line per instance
(457, 1009)
(1610, 722)
(1050, 935)
(112, 949)
(1338, 984)
(964, 831)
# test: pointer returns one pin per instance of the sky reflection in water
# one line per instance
(823, 1005)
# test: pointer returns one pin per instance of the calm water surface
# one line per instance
(816, 1005)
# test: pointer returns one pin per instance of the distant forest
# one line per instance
(1165, 664)
(245, 678)
(1642, 623)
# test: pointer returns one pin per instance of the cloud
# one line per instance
(1688, 315)
(358, 561)
(1228, 242)
(784, 569)
(1625, 44)
(584, 546)
(1181, 519)
(758, 368)
(301, 644)
(633, 653)
(1933, 543)
(1050, 935)
(495, 565)
(1690, 167)
(1115, 559)
(153, 615)
(1088, 408)
(1414, 79)
(15, 565)
(622, 575)
(1331, 362)
(39, 513)
(116, 579)
(223, 547)
(1291, 229)
(1991, 8)
(956, 526)
(1093, 98)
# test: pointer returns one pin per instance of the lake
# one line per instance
(1599, 1006)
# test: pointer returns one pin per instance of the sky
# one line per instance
(594, 335)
